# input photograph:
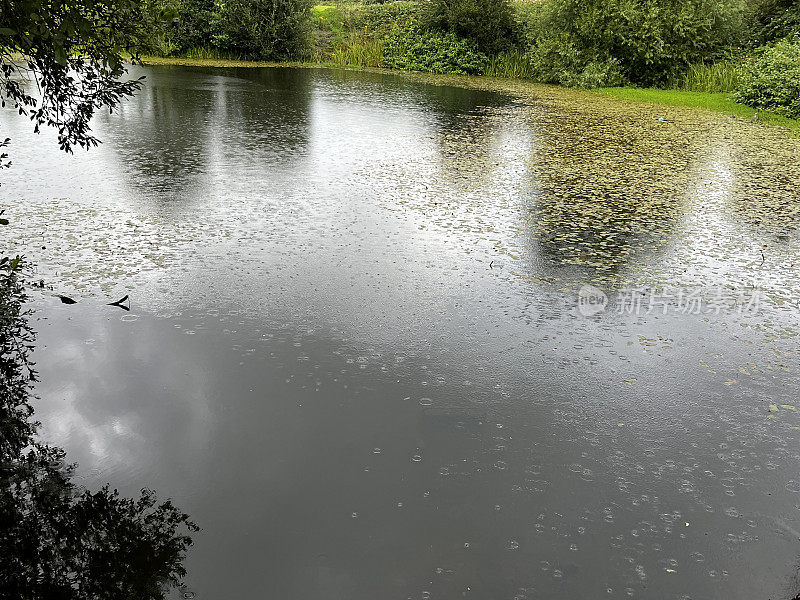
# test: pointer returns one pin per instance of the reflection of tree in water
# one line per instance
(606, 192)
(58, 541)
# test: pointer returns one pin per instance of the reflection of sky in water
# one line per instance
(310, 254)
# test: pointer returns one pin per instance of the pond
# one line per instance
(409, 337)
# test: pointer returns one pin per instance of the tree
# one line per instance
(774, 19)
(73, 50)
(196, 26)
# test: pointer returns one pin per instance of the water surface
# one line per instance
(355, 354)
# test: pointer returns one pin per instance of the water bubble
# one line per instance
(425, 402)
(697, 556)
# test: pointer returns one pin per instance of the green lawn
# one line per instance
(718, 102)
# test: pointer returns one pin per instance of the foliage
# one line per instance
(352, 34)
(56, 540)
(196, 25)
(413, 49)
(265, 29)
(774, 19)
(488, 23)
(376, 19)
(16, 374)
(73, 49)
(592, 43)
(771, 79)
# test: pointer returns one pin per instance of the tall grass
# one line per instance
(358, 52)
(722, 76)
(514, 64)
(208, 53)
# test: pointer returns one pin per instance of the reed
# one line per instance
(513, 64)
(720, 76)
(358, 52)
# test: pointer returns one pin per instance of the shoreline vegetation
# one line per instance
(719, 102)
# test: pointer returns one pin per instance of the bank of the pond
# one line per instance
(716, 102)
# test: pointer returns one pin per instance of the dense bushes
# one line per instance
(265, 29)
(608, 42)
(255, 29)
(413, 49)
(771, 79)
(774, 19)
(488, 23)
(195, 26)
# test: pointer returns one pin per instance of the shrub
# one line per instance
(265, 29)
(606, 42)
(771, 79)
(774, 19)
(413, 49)
(488, 23)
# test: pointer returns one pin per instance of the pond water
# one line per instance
(394, 338)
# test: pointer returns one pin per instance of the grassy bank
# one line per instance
(714, 101)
